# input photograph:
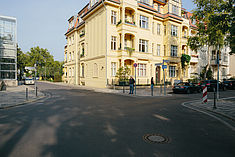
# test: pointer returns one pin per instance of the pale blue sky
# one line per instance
(43, 22)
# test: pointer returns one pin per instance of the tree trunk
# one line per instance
(209, 61)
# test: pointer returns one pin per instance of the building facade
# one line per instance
(8, 50)
(108, 34)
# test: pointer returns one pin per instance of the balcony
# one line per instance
(194, 59)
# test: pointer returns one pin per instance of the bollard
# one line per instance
(204, 98)
(214, 107)
(27, 96)
(36, 92)
(152, 90)
(161, 89)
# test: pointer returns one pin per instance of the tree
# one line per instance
(214, 24)
(22, 61)
(123, 74)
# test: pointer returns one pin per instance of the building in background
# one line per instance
(8, 50)
(232, 66)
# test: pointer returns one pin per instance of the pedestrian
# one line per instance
(152, 84)
(131, 82)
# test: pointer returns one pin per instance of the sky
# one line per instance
(43, 23)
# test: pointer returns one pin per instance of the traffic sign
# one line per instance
(164, 66)
(158, 64)
(135, 65)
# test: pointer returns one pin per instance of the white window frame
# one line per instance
(113, 17)
(174, 30)
(95, 70)
(174, 51)
(175, 9)
(141, 69)
(113, 43)
(172, 71)
(144, 22)
(113, 68)
(158, 29)
(145, 1)
(143, 45)
(158, 49)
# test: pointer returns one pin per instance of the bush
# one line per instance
(57, 77)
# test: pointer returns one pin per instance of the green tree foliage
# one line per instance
(215, 21)
(45, 63)
(208, 73)
(123, 74)
(185, 59)
(22, 61)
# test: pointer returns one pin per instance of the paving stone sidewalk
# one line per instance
(225, 107)
(14, 96)
(140, 92)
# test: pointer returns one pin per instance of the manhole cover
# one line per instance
(155, 138)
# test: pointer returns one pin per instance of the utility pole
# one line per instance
(218, 59)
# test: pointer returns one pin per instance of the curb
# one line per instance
(205, 111)
(99, 90)
(25, 102)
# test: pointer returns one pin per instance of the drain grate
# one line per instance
(155, 138)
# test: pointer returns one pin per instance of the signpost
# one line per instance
(135, 65)
(163, 68)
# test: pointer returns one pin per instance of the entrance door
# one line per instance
(158, 74)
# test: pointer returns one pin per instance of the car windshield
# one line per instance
(28, 79)
(183, 84)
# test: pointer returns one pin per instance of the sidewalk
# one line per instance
(224, 107)
(140, 92)
(15, 96)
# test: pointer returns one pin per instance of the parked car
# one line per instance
(229, 84)
(212, 85)
(29, 81)
(185, 87)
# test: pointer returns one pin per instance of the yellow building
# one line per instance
(108, 34)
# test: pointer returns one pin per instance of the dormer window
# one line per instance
(145, 1)
(93, 2)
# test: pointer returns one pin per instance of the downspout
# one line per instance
(106, 36)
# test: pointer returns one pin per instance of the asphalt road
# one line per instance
(81, 123)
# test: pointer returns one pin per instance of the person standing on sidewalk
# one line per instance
(131, 82)
(152, 84)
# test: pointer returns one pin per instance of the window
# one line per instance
(113, 42)
(174, 50)
(172, 71)
(158, 50)
(164, 29)
(83, 70)
(225, 58)
(95, 70)
(73, 72)
(72, 39)
(69, 72)
(153, 48)
(145, 1)
(70, 56)
(224, 72)
(73, 56)
(113, 68)
(174, 30)
(164, 50)
(144, 22)
(153, 27)
(175, 9)
(185, 33)
(141, 69)
(143, 45)
(113, 17)
(158, 29)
